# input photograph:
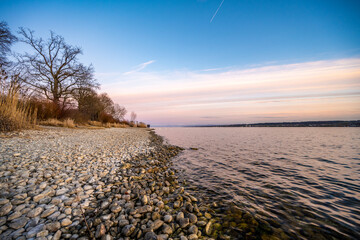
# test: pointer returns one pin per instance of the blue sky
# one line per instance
(163, 40)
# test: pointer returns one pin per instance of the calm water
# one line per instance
(305, 179)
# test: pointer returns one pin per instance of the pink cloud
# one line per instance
(332, 87)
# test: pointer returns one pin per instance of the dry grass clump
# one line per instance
(119, 125)
(69, 123)
(107, 125)
(15, 115)
(52, 122)
(95, 123)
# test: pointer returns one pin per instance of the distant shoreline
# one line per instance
(355, 123)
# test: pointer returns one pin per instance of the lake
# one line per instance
(302, 181)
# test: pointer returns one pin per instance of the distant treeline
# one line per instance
(355, 123)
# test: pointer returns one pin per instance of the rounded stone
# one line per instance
(65, 222)
(168, 218)
(35, 212)
(128, 230)
(19, 223)
(5, 209)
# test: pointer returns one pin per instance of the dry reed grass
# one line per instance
(15, 115)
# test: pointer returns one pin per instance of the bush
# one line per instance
(142, 125)
(46, 109)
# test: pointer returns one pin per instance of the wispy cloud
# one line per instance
(139, 67)
(310, 90)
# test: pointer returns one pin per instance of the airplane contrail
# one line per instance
(217, 11)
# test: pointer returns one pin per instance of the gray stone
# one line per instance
(144, 199)
(61, 191)
(184, 222)
(48, 212)
(14, 216)
(192, 218)
(193, 229)
(123, 222)
(57, 235)
(5, 209)
(201, 223)
(155, 216)
(43, 233)
(150, 236)
(17, 233)
(2, 220)
(160, 204)
(66, 222)
(35, 230)
(128, 230)
(168, 218)
(100, 231)
(107, 237)
(53, 227)
(19, 223)
(33, 222)
(179, 216)
(177, 204)
(116, 209)
(192, 237)
(157, 224)
(167, 229)
(106, 217)
(4, 201)
(35, 212)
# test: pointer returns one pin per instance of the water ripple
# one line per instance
(304, 180)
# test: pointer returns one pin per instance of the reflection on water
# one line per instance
(307, 180)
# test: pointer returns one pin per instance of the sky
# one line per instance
(182, 62)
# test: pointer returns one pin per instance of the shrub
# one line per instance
(142, 125)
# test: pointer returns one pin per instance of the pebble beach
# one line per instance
(60, 183)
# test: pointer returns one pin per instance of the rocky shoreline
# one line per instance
(59, 183)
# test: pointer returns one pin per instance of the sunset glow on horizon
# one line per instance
(319, 90)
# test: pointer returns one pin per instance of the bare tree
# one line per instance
(6, 40)
(107, 104)
(133, 117)
(53, 67)
(120, 112)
